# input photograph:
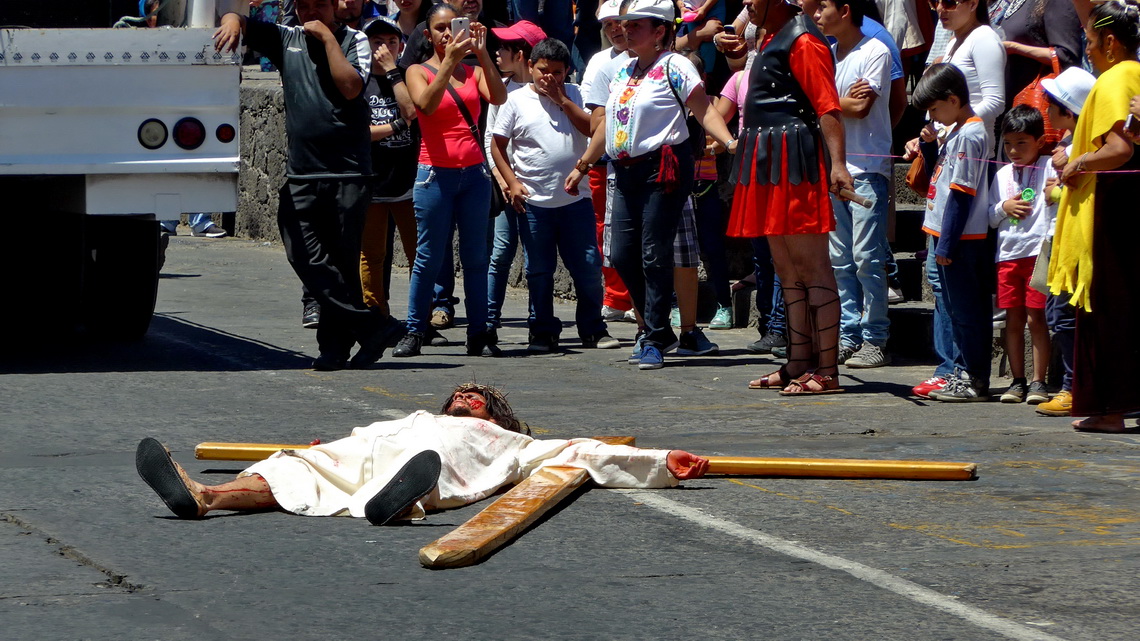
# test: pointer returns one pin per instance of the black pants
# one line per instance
(644, 224)
(321, 222)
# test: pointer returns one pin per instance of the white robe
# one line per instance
(478, 457)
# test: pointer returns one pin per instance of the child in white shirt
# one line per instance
(1023, 215)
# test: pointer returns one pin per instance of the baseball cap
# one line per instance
(382, 25)
(609, 10)
(1070, 88)
(524, 30)
(659, 9)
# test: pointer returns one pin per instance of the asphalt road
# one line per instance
(1043, 545)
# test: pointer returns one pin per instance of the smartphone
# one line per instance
(460, 24)
(1132, 124)
(730, 30)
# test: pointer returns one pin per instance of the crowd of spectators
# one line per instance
(772, 120)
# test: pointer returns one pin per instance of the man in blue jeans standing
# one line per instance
(858, 246)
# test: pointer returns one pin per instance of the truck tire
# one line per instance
(121, 277)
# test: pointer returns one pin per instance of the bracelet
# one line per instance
(582, 166)
(394, 76)
(399, 126)
(1081, 162)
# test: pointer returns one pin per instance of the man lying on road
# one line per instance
(404, 467)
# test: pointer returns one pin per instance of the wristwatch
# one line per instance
(583, 167)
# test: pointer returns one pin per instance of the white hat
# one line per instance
(609, 10)
(1070, 88)
(659, 9)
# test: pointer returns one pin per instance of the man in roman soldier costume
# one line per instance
(790, 153)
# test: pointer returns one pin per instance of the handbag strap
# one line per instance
(462, 111)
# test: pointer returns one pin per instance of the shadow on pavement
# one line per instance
(171, 344)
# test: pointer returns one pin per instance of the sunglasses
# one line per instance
(946, 4)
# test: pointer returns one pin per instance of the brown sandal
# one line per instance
(765, 382)
(824, 385)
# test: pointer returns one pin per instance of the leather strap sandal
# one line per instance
(803, 386)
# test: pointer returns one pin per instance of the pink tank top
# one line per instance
(446, 140)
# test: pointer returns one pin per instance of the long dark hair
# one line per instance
(497, 406)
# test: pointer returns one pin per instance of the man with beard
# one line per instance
(403, 468)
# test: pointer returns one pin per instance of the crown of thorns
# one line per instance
(497, 405)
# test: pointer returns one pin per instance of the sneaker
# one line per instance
(542, 344)
(651, 358)
(962, 390)
(895, 296)
(1016, 392)
(329, 363)
(212, 231)
(766, 343)
(615, 315)
(868, 356)
(630, 316)
(1061, 405)
(484, 343)
(414, 481)
(601, 340)
(409, 345)
(722, 319)
(675, 317)
(694, 343)
(442, 319)
(311, 316)
(845, 352)
(1037, 393)
(434, 338)
(638, 347)
(923, 389)
(780, 352)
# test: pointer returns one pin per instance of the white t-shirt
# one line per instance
(960, 167)
(643, 117)
(598, 75)
(544, 145)
(981, 58)
(493, 114)
(868, 138)
(1023, 239)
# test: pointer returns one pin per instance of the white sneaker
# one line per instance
(868, 356)
(614, 315)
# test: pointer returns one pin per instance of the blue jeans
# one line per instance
(769, 293)
(1061, 317)
(859, 255)
(445, 198)
(570, 232)
(949, 359)
(644, 226)
(966, 290)
(443, 291)
(503, 240)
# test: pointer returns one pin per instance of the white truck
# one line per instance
(104, 132)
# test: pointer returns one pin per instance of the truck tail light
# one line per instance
(226, 133)
(152, 133)
(189, 133)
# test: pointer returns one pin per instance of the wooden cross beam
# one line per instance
(524, 504)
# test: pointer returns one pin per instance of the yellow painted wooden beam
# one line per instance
(262, 451)
(842, 468)
(503, 520)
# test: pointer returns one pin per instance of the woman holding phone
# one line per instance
(453, 184)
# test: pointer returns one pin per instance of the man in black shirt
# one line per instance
(323, 202)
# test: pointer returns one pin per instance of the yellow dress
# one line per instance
(1071, 265)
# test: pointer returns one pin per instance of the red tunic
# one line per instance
(784, 208)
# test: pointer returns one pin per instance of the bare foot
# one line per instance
(1108, 424)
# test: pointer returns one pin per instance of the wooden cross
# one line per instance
(512, 513)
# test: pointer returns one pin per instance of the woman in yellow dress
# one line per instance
(1094, 247)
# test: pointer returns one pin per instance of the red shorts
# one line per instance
(1013, 288)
